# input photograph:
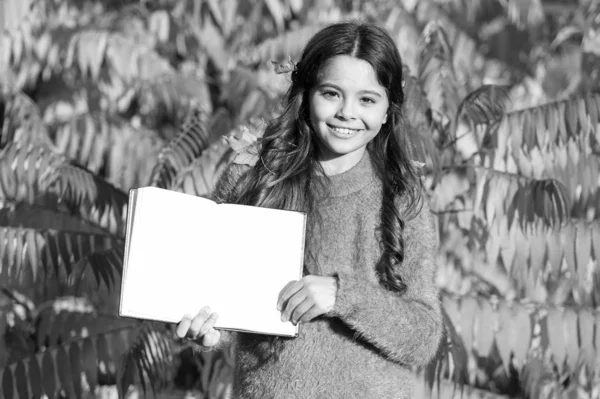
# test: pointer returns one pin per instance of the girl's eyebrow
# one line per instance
(326, 84)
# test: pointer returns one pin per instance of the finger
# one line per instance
(311, 314)
(211, 338)
(198, 321)
(183, 326)
(300, 310)
(208, 324)
(290, 289)
(291, 304)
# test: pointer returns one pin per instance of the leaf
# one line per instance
(537, 246)
(48, 251)
(190, 142)
(583, 248)
(97, 199)
(554, 250)
(89, 359)
(485, 105)
(586, 330)
(571, 337)
(43, 330)
(7, 383)
(58, 333)
(76, 368)
(485, 331)
(562, 121)
(597, 341)
(468, 309)
(284, 67)
(554, 322)
(418, 141)
(48, 373)
(104, 355)
(22, 122)
(35, 377)
(520, 334)
(276, 11)
(436, 71)
(64, 372)
(568, 243)
(21, 380)
(278, 48)
(504, 335)
(564, 34)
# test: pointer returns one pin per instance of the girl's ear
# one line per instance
(384, 119)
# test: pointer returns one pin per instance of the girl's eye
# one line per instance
(368, 100)
(330, 94)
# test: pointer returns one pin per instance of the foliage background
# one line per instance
(98, 97)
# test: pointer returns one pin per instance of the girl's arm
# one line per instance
(406, 327)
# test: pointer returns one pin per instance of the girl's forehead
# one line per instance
(349, 71)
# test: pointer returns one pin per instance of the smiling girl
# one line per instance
(367, 304)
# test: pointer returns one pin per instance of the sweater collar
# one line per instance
(354, 179)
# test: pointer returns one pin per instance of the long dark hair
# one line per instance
(288, 174)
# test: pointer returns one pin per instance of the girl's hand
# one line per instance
(201, 326)
(306, 299)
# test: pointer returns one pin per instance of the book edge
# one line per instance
(133, 195)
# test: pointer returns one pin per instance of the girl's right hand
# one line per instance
(200, 327)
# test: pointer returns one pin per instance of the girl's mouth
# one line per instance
(343, 131)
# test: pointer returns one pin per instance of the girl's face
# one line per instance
(347, 108)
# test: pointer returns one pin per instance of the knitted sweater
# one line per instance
(367, 346)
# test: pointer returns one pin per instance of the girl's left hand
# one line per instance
(306, 299)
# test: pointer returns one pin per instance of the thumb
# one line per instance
(211, 338)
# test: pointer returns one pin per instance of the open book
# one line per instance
(183, 252)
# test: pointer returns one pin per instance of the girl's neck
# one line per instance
(335, 166)
(352, 180)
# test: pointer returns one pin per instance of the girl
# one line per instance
(368, 304)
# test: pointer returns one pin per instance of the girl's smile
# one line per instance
(342, 132)
(347, 109)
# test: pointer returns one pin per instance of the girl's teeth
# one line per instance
(343, 131)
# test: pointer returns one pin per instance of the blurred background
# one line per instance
(98, 97)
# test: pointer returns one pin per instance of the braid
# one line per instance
(392, 241)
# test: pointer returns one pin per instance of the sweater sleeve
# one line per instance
(407, 328)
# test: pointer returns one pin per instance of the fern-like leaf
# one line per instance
(418, 138)
(502, 194)
(525, 13)
(200, 177)
(279, 48)
(191, 141)
(21, 168)
(247, 94)
(28, 255)
(86, 140)
(552, 124)
(92, 196)
(106, 265)
(170, 98)
(486, 105)
(436, 72)
(523, 326)
(21, 121)
(151, 356)
(555, 141)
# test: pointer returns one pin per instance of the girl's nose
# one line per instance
(346, 111)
